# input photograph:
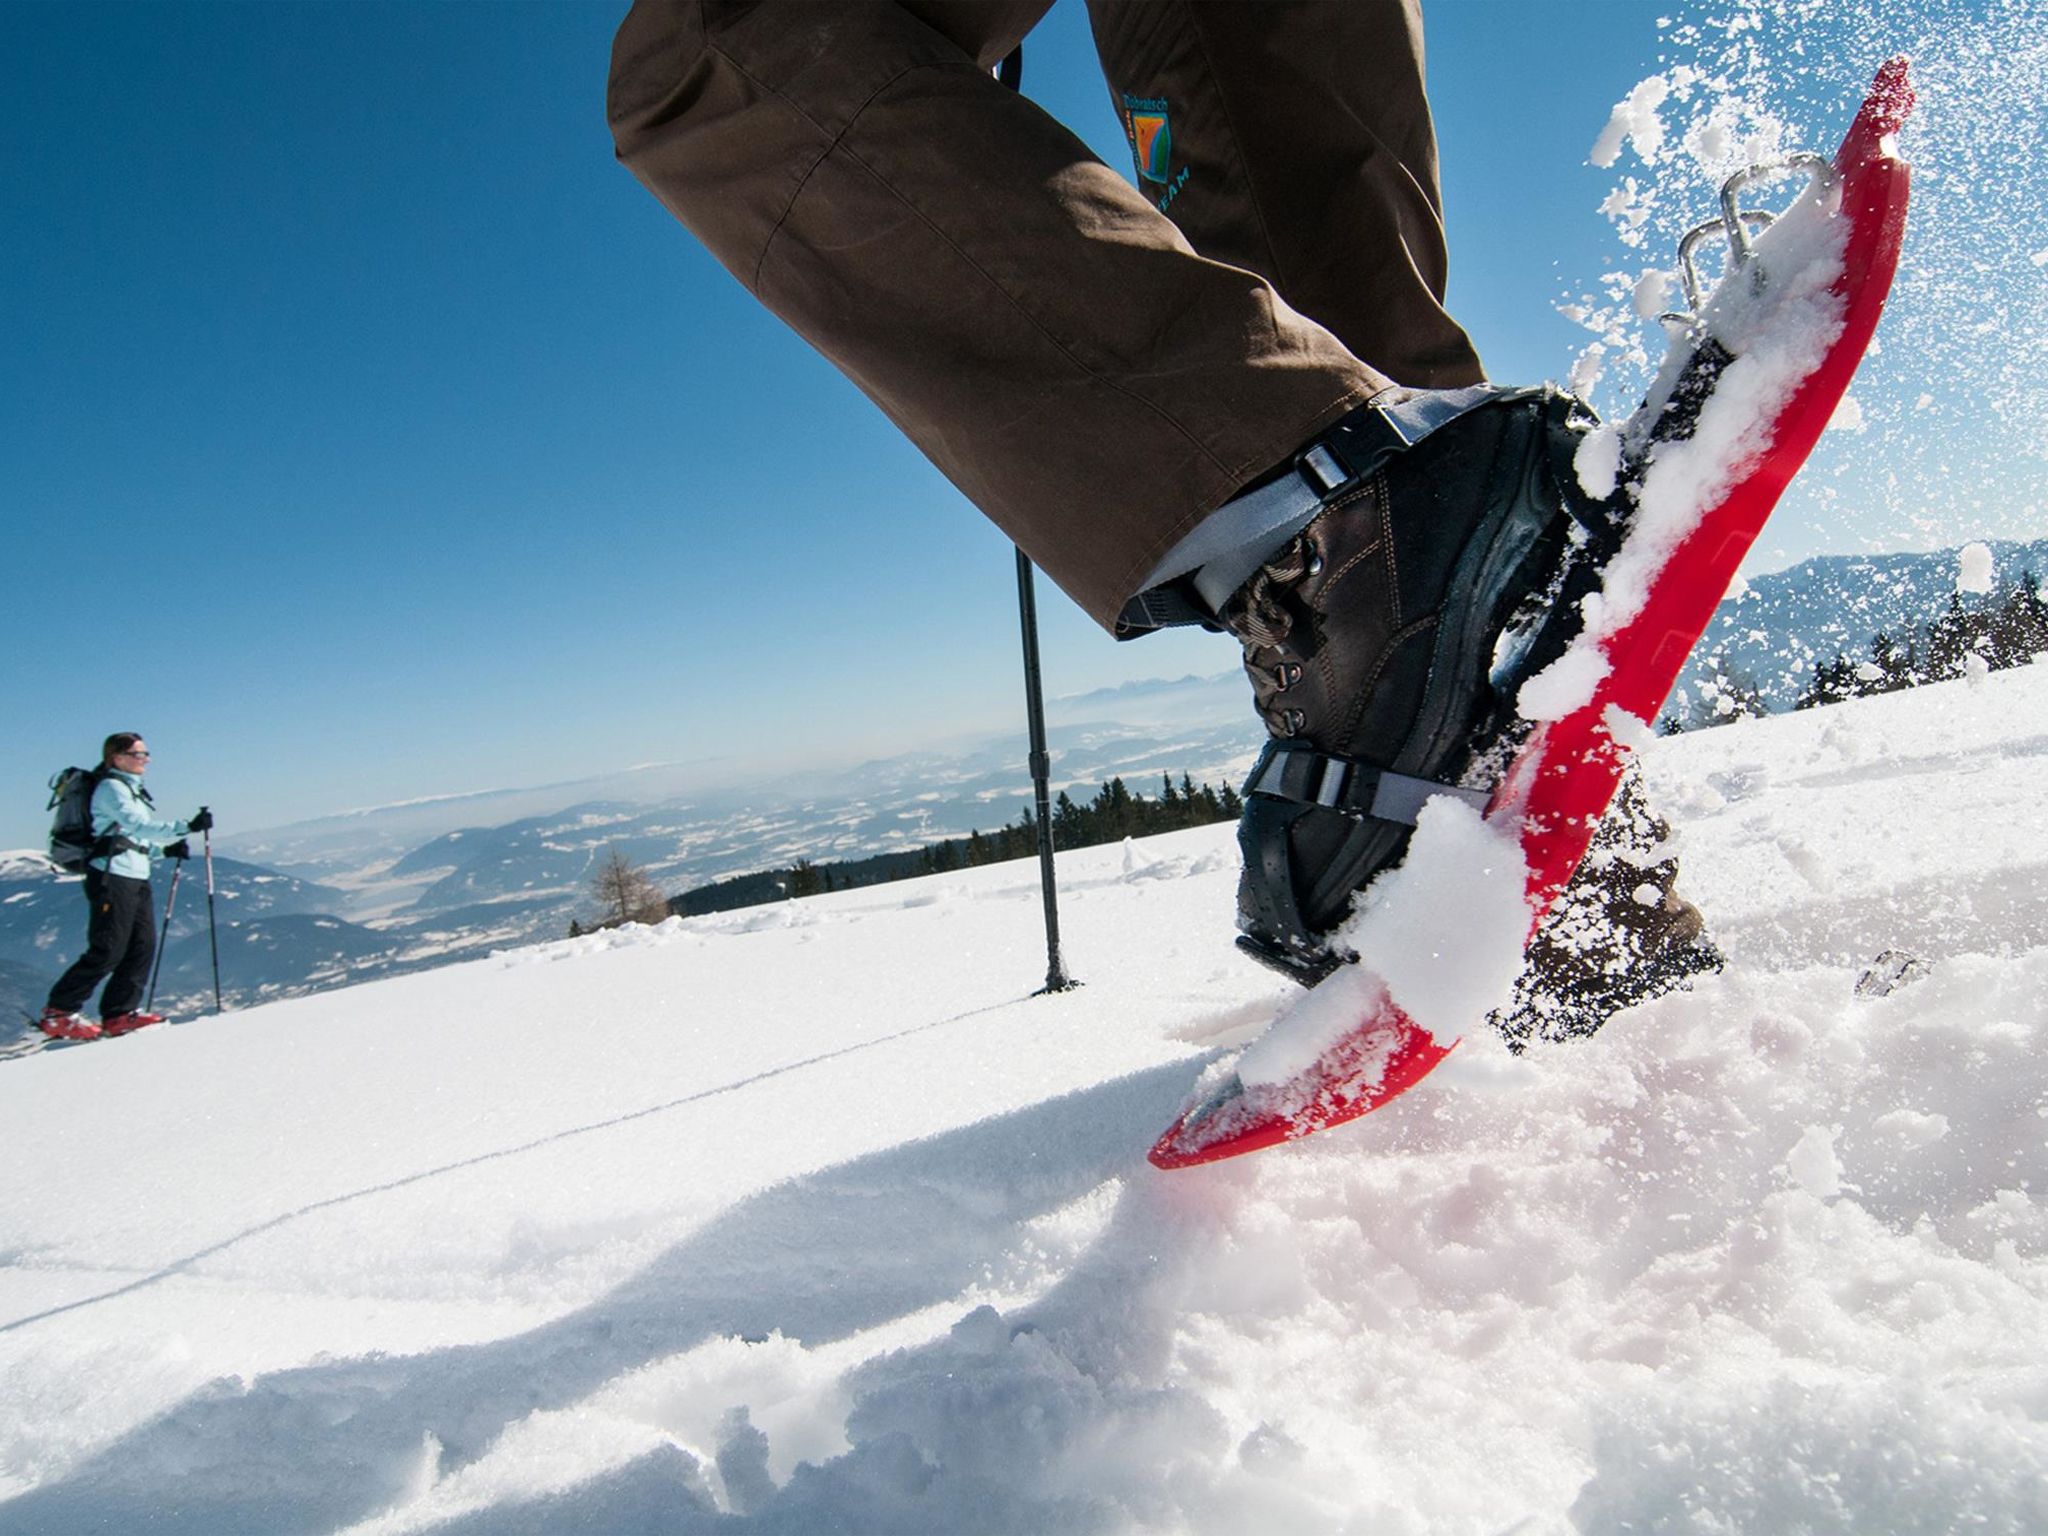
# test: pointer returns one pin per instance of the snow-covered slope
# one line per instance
(810, 1218)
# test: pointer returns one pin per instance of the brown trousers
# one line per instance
(1096, 365)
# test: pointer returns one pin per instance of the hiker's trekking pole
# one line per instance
(1011, 74)
(1056, 977)
(170, 906)
(212, 931)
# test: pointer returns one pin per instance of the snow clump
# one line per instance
(1975, 569)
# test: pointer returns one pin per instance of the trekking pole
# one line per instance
(1056, 977)
(157, 968)
(212, 932)
(1011, 73)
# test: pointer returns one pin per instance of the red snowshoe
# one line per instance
(128, 1023)
(59, 1025)
(1699, 467)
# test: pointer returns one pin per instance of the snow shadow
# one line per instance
(818, 1258)
(738, 1085)
(649, 1496)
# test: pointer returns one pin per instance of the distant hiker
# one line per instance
(1228, 394)
(128, 837)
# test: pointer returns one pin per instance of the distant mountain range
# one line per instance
(400, 888)
(1775, 633)
(396, 888)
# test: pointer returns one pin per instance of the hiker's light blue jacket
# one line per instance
(118, 810)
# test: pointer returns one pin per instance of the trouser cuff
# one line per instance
(1200, 573)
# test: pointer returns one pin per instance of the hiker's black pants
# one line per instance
(120, 944)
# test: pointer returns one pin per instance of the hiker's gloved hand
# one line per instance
(200, 823)
(179, 850)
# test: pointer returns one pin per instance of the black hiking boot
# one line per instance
(1385, 645)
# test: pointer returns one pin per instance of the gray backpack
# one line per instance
(72, 841)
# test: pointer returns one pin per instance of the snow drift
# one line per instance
(810, 1218)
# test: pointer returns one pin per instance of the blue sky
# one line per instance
(366, 433)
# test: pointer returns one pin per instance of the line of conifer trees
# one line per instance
(2007, 631)
(2003, 634)
(1115, 813)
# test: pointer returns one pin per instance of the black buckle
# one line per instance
(1295, 771)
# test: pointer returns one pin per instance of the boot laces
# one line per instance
(1260, 616)
(1263, 620)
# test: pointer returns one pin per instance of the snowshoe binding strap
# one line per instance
(1294, 770)
(1358, 808)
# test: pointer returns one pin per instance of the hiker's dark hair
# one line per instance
(120, 741)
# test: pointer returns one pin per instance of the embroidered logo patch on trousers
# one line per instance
(1151, 136)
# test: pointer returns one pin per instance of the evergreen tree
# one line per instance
(2018, 631)
(1067, 820)
(1950, 639)
(1897, 664)
(1115, 806)
(1833, 681)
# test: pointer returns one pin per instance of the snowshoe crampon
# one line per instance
(1756, 371)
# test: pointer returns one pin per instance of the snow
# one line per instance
(1779, 338)
(1446, 929)
(1597, 461)
(1748, 82)
(1975, 569)
(1563, 687)
(1652, 292)
(24, 864)
(1634, 121)
(1441, 936)
(811, 1218)
(1813, 1165)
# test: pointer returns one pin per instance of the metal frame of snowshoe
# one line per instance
(1735, 224)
